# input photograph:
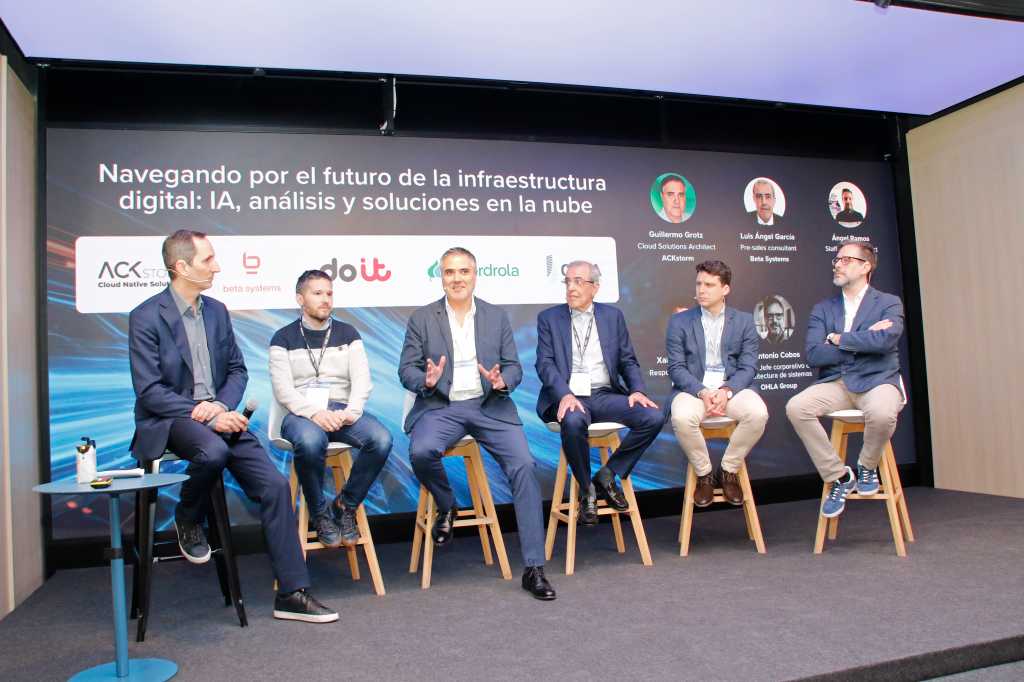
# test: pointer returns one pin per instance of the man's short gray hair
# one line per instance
(595, 271)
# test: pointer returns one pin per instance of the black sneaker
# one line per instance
(301, 605)
(327, 531)
(192, 541)
(346, 517)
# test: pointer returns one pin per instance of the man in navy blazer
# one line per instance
(712, 361)
(589, 373)
(189, 376)
(460, 361)
(852, 340)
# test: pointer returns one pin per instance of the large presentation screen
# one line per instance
(376, 213)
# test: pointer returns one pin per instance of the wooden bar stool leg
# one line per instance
(686, 524)
(478, 512)
(620, 543)
(890, 507)
(570, 538)
(901, 500)
(428, 542)
(750, 509)
(492, 514)
(365, 537)
(637, 522)
(557, 495)
(417, 533)
(340, 477)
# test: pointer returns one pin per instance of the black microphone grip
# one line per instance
(250, 408)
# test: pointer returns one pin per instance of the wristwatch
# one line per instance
(828, 339)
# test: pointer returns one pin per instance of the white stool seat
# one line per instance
(596, 430)
(717, 422)
(848, 416)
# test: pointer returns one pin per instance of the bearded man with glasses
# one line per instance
(589, 372)
(852, 340)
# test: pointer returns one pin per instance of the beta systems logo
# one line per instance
(490, 270)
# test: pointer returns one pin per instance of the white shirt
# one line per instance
(465, 373)
(713, 326)
(592, 361)
(771, 221)
(850, 308)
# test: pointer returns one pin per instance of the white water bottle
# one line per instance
(85, 460)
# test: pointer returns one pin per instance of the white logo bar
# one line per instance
(115, 274)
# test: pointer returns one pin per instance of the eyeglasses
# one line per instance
(578, 281)
(845, 260)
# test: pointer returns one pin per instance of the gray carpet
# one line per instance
(723, 613)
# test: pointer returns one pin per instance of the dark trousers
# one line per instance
(208, 452)
(437, 430)
(309, 443)
(644, 425)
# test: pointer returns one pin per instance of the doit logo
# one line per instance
(347, 272)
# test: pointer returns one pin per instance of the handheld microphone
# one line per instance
(251, 405)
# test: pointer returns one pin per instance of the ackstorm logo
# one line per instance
(118, 274)
(347, 272)
(490, 270)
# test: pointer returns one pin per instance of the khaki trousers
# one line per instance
(880, 406)
(746, 407)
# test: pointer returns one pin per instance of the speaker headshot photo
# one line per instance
(764, 201)
(774, 318)
(847, 204)
(673, 198)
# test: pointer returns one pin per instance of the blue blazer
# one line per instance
(864, 359)
(429, 335)
(554, 353)
(161, 367)
(687, 349)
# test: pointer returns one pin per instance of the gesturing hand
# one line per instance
(433, 374)
(493, 375)
(567, 404)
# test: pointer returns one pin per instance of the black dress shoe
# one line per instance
(604, 482)
(588, 506)
(536, 584)
(444, 527)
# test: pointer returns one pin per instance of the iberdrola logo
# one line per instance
(487, 270)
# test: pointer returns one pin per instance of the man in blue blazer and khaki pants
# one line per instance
(852, 340)
(712, 361)
(189, 376)
(589, 373)
(460, 360)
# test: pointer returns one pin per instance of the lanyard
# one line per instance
(586, 341)
(323, 348)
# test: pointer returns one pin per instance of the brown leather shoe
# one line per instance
(731, 487)
(704, 493)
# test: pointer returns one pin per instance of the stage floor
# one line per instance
(723, 613)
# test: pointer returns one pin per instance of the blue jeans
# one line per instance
(309, 442)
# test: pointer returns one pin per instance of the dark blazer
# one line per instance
(686, 348)
(554, 353)
(161, 367)
(429, 335)
(864, 359)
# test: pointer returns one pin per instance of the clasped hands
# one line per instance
(227, 422)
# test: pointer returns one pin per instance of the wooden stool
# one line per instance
(719, 427)
(339, 461)
(605, 437)
(845, 422)
(482, 515)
